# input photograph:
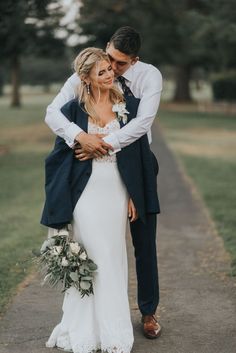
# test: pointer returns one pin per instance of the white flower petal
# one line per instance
(64, 262)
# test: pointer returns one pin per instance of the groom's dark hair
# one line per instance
(127, 40)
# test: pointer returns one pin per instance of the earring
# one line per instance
(88, 88)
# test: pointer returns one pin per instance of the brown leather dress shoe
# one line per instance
(151, 328)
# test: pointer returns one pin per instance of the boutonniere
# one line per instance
(121, 112)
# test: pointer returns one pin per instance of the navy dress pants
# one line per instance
(144, 242)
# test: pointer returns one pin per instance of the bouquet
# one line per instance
(63, 260)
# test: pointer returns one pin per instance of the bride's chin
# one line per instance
(107, 87)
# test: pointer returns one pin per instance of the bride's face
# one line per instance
(101, 75)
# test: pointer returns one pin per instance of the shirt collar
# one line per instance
(128, 74)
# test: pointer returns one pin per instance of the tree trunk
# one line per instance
(15, 80)
(1, 89)
(182, 91)
(1, 83)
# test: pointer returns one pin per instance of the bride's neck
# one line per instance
(101, 97)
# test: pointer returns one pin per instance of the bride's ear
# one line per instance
(85, 79)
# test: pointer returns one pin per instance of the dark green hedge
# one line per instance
(224, 87)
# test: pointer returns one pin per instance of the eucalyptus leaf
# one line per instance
(85, 285)
(87, 278)
(92, 266)
(74, 276)
(84, 269)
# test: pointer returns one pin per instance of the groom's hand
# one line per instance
(91, 146)
(83, 155)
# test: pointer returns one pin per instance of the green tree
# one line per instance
(169, 30)
(45, 71)
(185, 34)
(173, 37)
(219, 35)
(27, 26)
(99, 20)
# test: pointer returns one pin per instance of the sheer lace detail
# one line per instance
(63, 343)
(113, 125)
(113, 338)
(92, 348)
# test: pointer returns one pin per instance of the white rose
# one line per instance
(75, 248)
(44, 246)
(63, 232)
(83, 256)
(56, 250)
(64, 262)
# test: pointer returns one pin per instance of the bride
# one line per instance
(98, 196)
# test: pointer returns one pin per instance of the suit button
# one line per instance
(51, 213)
(88, 173)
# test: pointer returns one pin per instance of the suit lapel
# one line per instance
(82, 117)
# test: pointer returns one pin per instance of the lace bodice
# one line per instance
(113, 125)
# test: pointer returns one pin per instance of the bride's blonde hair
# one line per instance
(83, 64)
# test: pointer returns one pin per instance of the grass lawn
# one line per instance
(206, 145)
(24, 142)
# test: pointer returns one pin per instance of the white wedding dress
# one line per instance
(101, 321)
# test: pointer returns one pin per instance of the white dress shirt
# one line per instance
(145, 82)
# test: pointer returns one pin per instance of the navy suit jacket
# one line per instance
(66, 177)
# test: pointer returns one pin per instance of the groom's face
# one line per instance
(120, 62)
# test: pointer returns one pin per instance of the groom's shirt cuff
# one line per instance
(112, 140)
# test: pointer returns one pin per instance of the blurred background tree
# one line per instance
(28, 27)
(186, 34)
(190, 39)
(219, 37)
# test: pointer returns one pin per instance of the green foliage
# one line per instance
(168, 28)
(65, 262)
(45, 71)
(100, 19)
(186, 34)
(28, 26)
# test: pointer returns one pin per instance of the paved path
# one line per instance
(198, 299)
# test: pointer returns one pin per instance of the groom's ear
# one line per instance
(134, 60)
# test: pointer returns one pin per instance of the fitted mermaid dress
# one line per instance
(101, 321)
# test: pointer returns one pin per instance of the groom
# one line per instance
(143, 81)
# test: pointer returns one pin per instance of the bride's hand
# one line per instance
(101, 135)
(132, 212)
